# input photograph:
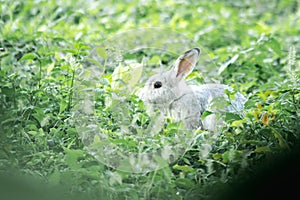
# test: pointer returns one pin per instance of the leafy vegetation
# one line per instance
(46, 48)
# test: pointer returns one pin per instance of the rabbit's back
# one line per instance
(212, 97)
(208, 93)
(190, 105)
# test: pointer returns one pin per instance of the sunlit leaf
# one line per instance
(72, 51)
(125, 77)
(237, 123)
(101, 52)
(29, 56)
(32, 132)
(184, 168)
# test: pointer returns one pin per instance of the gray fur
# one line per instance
(188, 102)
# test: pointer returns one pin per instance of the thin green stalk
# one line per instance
(71, 90)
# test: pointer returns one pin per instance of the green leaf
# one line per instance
(231, 155)
(72, 51)
(128, 76)
(115, 178)
(32, 132)
(101, 52)
(281, 140)
(184, 183)
(93, 62)
(205, 114)
(217, 156)
(72, 157)
(262, 149)
(39, 115)
(225, 156)
(28, 56)
(155, 60)
(184, 168)
(63, 105)
(275, 46)
(237, 123)
(229, 117)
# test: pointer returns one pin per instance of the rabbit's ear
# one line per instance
(186, 63)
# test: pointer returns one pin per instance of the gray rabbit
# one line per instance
(169, 93)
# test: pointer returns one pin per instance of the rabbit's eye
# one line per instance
(157, 84)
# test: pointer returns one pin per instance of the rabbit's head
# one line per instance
(164, 88)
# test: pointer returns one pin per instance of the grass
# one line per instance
(47, 63)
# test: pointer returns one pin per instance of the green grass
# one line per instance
(45, 49)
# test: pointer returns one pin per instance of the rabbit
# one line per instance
(172, 96)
